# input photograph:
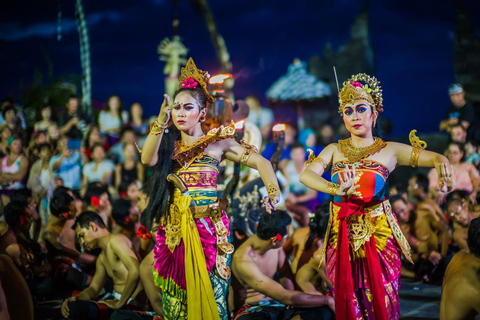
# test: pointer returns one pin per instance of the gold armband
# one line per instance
(322, 162)
(156, 128)
(332, 188)
(418, 145)
(245, 155)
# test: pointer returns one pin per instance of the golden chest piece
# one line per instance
(357, 153)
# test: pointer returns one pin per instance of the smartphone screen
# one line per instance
(74, 144)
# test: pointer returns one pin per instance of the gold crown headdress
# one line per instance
(353, 90)
(190, 77)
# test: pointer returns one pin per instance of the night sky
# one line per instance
(412, 40)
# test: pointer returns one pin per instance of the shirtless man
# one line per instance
(305, 241)
(461, 284)
(117, 261)
(427, 224)
(255, 293)
(460, 214)
(400, 208)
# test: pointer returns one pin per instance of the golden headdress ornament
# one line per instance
(354, 90)
(190, 77)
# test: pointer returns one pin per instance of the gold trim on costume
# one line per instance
(185, 155)
(191, 71)
(156, 128)
(355, 154)
(418, 145)
(245, 155)
(332, 188)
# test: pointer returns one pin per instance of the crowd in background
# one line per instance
(71, 163)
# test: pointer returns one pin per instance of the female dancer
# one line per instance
(192, 250)
(363, 237)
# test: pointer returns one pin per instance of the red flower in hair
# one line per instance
(23, 219)
(356, 84)
(189, 83)
(65, 215)
(123, 194)
(95, 201)
(143, 233)
(127, 219)
(278, 237)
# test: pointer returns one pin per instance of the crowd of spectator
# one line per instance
(74, 180)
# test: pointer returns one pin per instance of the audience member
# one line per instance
(6, 133)
(112, 119)
(427, 224)
(270, 148)
(461, 284)
(124, 220)
(458, 133)
(14, 167)
(256, 295)
(127, 135)
(13, 122)
(460, 112)
(67, 165)
(301, 200)
(130, 170)
(305, 241)
(53, 134)
(32, 151)
(136, 120)
(92, 138)
(99, 169)
(458, 211)
(8, 102)
(465, 175)
(326, 135)
(44, 119)
(117, 261)
(73, 123)
(471, 154)
(260, 116)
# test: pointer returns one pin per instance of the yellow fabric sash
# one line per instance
(201, 302)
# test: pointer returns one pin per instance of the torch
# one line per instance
(218, 86)
(279, 139)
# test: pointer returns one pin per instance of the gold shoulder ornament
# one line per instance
(418, 145)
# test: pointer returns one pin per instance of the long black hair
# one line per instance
(318, 224)
(160, 191)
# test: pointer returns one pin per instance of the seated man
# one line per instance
(255, 294)
(98, 201)
(427, 224)
(61, 255)
(460, 214)
(117, 261)
(461, 284)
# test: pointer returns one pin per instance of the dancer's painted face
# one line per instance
(186, 113)
(358, 118)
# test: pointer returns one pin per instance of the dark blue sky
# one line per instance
(413, 46)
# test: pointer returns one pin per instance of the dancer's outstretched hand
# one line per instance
(347, 182)
(445, 178)
(165, 110)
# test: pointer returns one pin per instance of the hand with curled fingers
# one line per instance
(270, 201)
(165, 110)
(347, 182)
(446, 182)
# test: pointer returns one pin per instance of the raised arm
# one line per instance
(236, 152)
(409, 156)
(154, 138)
(312, 175)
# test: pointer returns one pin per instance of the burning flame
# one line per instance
(279, 127)
(219, 78)
(239, 124)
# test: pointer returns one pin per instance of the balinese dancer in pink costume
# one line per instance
(363, 242)
(192, 250)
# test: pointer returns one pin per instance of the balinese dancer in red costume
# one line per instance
(192, 251)
(363, 242)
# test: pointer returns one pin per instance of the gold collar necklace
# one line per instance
(357, 153)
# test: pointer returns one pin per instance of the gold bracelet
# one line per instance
(414, 158)
(332, 188)
(272, 189)
(156, 128)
